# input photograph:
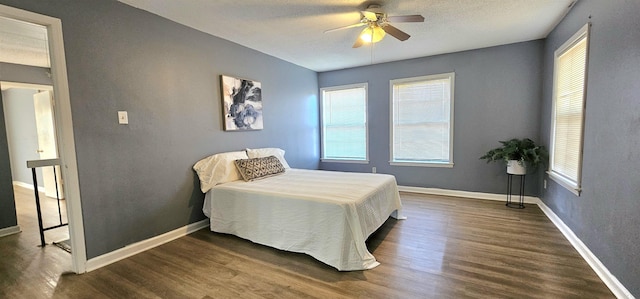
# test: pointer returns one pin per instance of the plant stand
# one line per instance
(520, 204)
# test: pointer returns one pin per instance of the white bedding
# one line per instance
(325, 214)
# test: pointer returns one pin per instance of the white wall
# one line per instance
(22, 135)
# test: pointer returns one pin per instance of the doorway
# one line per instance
(30, 134)
(63, 127)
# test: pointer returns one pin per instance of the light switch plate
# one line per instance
(123, 118)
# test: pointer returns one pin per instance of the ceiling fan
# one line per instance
(377, 23)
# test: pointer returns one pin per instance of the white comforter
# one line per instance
(325, 214)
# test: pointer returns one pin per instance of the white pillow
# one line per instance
(218, 169)
(268, 151)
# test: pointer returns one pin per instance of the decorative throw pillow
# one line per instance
(266, 152)
(258, 168)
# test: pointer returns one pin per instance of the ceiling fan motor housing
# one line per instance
(375, 8)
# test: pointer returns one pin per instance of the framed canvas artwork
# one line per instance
(242, 104)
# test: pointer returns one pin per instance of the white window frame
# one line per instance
(322, 128)
(425, 163)
(574, 186)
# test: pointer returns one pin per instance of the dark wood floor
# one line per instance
(26, 269)
(448, 248)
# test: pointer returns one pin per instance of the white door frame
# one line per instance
(64, 128)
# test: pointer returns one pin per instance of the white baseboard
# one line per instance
(466, 194)
(9, 230)
(135, 248)
(609, 279)
(26, 185)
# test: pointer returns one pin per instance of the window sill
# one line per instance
(422, 164)
(344, 161)
(567, 184)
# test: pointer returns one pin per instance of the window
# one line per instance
(422, 121)
(344, 123)
(569, 86)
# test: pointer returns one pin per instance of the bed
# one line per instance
(325, 214)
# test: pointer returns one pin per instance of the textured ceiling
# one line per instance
(293, 30)
(23, 43)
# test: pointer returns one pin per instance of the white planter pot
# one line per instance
(515, 167)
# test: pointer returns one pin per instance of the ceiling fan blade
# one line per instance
(371, 16)
(359, 42)
(346, 27)
(395, 32)
(408, 18)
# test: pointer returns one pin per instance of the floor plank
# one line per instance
(447, 248)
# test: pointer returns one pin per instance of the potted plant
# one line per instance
(519, 154)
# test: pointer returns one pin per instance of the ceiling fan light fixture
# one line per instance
(372, 34)
(377, 26)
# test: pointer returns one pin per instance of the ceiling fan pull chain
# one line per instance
(372, 45)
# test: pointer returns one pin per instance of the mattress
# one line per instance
(325, 214)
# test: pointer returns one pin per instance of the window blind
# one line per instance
(421, 119)
(569, 97)
(344, 123)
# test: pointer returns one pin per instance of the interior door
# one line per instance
(43, 101)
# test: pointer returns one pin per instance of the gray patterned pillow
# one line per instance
(258, 168)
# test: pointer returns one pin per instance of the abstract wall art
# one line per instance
(242, 104)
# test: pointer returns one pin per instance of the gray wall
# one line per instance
(497, 97)
(22, 134)
(7, 204)
(136, 180)
(605, 216)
